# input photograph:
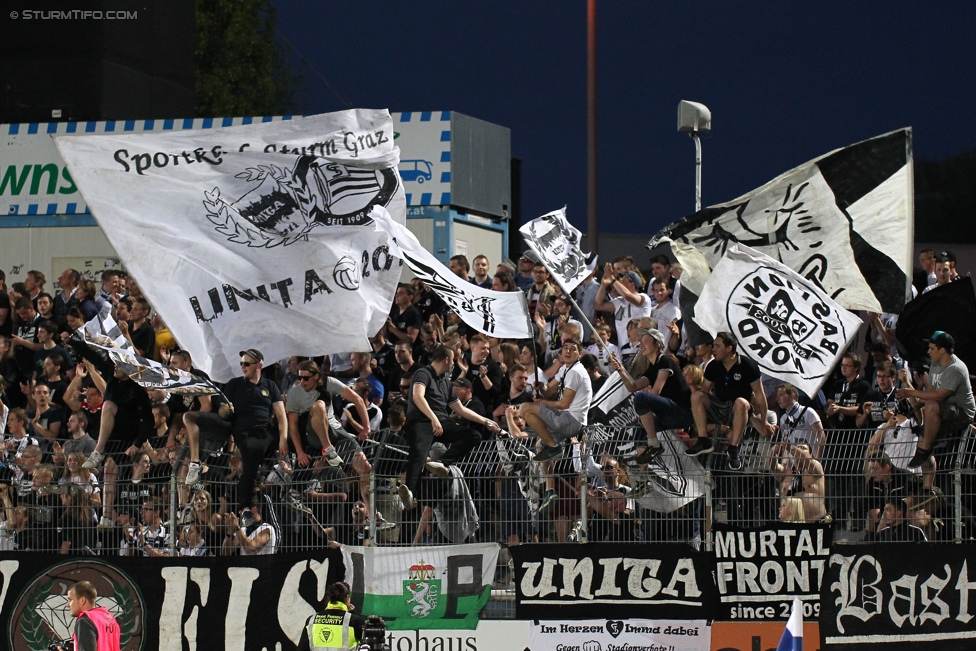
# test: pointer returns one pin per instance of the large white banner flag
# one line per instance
(783, 322)
(252, 236)
(557, 243)
(497, 314)
(422, 587)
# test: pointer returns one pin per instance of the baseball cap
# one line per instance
(634, 278)
(253, 353)
(658, 337)
(529, 254)
(462, 382)
(942, 340)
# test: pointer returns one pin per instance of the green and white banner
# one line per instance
(422, 587)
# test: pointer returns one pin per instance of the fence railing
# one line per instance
(595, 492)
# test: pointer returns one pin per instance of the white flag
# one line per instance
(252, 236)
(783, 322)
(497, 314)
(557, 243)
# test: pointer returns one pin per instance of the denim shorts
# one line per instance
(667, 413)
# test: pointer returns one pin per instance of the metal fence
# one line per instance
(594, 492)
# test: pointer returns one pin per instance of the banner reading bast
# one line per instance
(899, 597)
(252, 236)
(497, 314)
(422, 587)
(619, 580)
(557, 243)
(620, 635)
(785, 323)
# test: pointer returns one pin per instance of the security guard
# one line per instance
(335, 627)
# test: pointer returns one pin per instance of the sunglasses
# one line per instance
(246, 364)
(302, 378)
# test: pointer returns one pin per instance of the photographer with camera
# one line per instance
(336, 627)
(95, 628)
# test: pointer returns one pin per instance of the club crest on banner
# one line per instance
(784, 323)
(557, 243)
(280, 206)
(422, 592)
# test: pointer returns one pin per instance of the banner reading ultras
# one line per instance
(760, 570)
(231, 603)
(664, 581)
(253, 236)
(899, 597)
(422, 587)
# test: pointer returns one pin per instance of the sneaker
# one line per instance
(735, 463)
(638, 491)
(650, 453)
(332, 457)
(382, 524)
(95, 460)
(105, 523)
(548, 501)
(702, 446)
(547, 452)
(438, 469)
(192, 473)
(921, 456)
(406, 497)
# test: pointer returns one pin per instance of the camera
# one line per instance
(374, 635)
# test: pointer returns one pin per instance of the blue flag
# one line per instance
(792, 639)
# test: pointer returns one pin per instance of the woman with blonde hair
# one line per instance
(694, 376)
(203, 515)
(791, 510)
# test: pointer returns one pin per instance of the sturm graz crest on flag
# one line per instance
(557, 243)
(282, 205)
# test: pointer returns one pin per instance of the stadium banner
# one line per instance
(759, 636)
(228, 603)
(760, 570)
(620, 635)
(422, 587)
(556, 242)
(234, 233)
(496, 314)
(613, 580)
(786, 324)
(899, 597)
(843, 221)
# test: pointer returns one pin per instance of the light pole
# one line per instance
(592, 216)
(692, 119)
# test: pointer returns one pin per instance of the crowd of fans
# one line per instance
(458, 436)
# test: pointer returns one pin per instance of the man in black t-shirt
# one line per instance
(846, 396)
(254, 400)
(662, 398)
(405, 320)
(732, 385)
(431, 397)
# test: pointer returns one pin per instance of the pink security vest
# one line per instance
(108, 629)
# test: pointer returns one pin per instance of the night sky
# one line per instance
(786, 82)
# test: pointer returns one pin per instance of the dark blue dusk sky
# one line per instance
(785, 81)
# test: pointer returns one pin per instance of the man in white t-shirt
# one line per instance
(618, 293)
(560, 413)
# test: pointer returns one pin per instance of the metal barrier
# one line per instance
(596, 491)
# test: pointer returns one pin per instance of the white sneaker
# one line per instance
(332, 458)
(192, 473)
(406, 496)
(95, 460)
(106, 523)
(438, 469)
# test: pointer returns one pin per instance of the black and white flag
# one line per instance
(843, 221)
(103, 333)
(671, 480)
(497, 314)
(557, 243)
(784, 322)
